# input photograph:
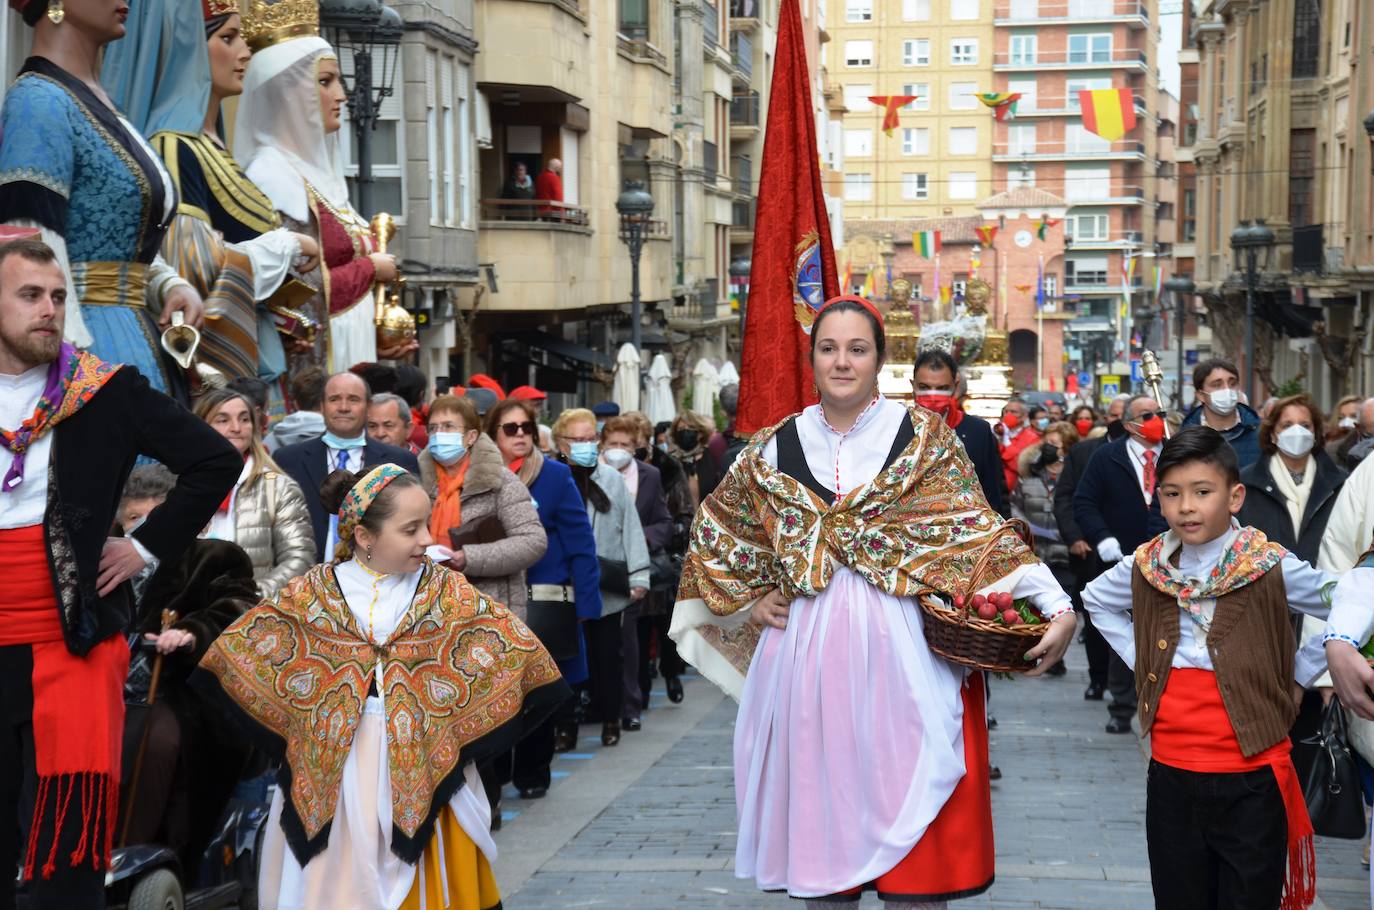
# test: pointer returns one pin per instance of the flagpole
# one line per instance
(1040, 331)
(938, 301)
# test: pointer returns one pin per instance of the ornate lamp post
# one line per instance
(1251, 244)
(1182, 287)
(365, 27)
(635, 205)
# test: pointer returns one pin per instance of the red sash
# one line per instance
(1193, 732)
(78, 709)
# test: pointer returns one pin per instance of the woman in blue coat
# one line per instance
(569, 564)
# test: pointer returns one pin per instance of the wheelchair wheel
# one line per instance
(159, 891)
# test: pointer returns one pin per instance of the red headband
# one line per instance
(852, 298)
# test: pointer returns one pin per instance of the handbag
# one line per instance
(615, 576)
(664, 569)
(554, 623)
(1331, 786)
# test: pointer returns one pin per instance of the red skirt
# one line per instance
(955, 856)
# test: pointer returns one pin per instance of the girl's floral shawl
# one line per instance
(462, 679)
(1249, 555)
(919, 526)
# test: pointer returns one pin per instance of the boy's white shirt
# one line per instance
(1108, 599)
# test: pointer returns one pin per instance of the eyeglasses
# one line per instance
(445, 428)
(1146, 415)
(580, 438)
(528, 428)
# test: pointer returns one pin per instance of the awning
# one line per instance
(569, 351)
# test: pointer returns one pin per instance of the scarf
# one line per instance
(919, 526)
(448, 504)
(73, 379)
(1295, 495)
(1247, 556)
(528, 468)
(461, 680)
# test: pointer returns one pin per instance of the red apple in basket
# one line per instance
(987, 611)
(959, 602)
(1011, 617)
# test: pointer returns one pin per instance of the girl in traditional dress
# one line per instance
(379, 681)
(74, 169)
(287, 137)
(170, 76)
(860, 756)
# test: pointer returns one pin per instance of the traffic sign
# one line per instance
(1137, 371)
(1108, 387)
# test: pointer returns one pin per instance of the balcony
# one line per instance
(1311, 255)
(1089, 245)
(1121, 150)
(710, 162)
(742, 222)
(710, 26)
(558, 236)
(1117, 58)
(525, 58)
(742, 56)
(1080, 12)
(742, 175)
(541, 214)
(1092, 193)
(1031, 107)
(744, 15)
(745, 115)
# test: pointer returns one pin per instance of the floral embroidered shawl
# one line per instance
(463, 679)
(920, 525)
(1246, 558)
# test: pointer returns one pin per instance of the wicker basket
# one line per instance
(971, 641)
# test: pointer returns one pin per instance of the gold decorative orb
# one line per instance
(396, 326)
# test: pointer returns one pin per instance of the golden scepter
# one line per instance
(383, 229)
(1149, 368)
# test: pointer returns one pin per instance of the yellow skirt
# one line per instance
(468, 884)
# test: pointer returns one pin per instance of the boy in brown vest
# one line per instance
(1212, 646)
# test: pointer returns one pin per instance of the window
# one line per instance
(1021, 139)
(963, 10)
(1086, 183)
(916, 141)
(388, 149)
(858, 143)
(916, 10)
(858, 53)
(963, 140)
(916, 52)
(856, 96)
(1051, 292)
(1090, 227)
(858, 10)
(962, 96)
(963, 185)
(963, 51)
(958, 285)
(1090, 48)
(1301, 176)
(1078, 141)
(1026, 88)
(1086, 271)
(915, 186)
(1023, 50)
(634, 18)
(1189, 216)
(858, 187)
(1083, 83)
(922, 92)
(1307, 27)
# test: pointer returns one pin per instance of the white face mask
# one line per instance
(618, 458)
(1347, 423)
(1295, 442)
(1223, 401)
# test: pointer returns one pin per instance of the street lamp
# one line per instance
(1182, 287)
(364, 27)
(635, 205)
(1251, 244)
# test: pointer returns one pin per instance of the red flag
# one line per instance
(793, 270)
(890, 105)
(986, 233)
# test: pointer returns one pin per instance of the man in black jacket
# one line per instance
(73, 428)
(345, 445)
(936, 384)
(1117, 509)
(1082, 559)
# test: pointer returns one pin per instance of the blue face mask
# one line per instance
(447, 448)
(336, 442)
(583, 454)
(1041, 423)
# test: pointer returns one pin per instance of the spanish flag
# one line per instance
(1108, 112)
(986, 233)
(1003, 104)
(926, 243)
(890, 105)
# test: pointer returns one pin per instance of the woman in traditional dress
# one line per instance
(860, 755)
(170, 76)
(74, 169)
(379, 681)
(287, 137)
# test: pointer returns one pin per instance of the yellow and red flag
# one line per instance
(986, 233)
(1108, 112)
(890, 105)
(1003, 104)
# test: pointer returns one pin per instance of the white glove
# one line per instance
(1109, 550)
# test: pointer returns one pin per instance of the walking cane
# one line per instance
(168, 618)
(1149, 367)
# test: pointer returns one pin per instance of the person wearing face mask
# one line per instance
(1084, 420)
(1356, 437)
(1342, 418)
(623, 553)
(1216, 385)
(437, 678)
(935, 382)
(687, 439)
(1014, 435)
(1116, 507)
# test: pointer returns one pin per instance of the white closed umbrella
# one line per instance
(658, 392)
(625, 392)
(728, 374)
(705, 387)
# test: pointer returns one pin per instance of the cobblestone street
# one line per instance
(650, 824)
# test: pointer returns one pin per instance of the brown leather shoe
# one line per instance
(610, 733)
